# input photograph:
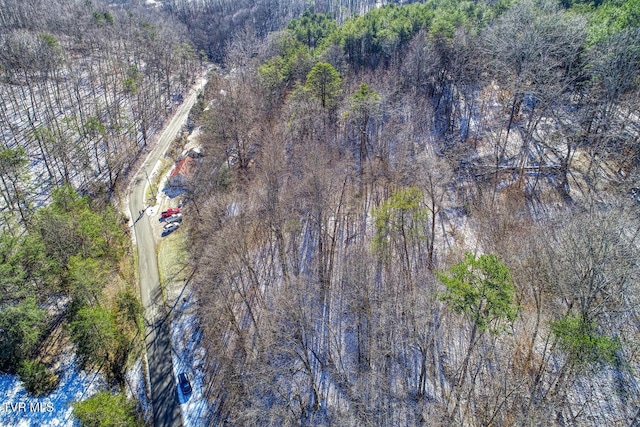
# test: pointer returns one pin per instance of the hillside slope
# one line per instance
(422, 217)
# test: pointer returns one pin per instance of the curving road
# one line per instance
(164, 393)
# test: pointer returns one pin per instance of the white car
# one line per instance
(170, 227)
(174, 218)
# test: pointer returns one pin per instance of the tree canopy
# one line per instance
(481, 289)
(106, 409)
(323, 81)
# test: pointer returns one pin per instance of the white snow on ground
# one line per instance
(188, 356)
(18, 409)
(136, 389)
(152, 211)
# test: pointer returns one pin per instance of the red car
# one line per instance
(169, 212)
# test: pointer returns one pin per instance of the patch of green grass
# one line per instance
(172, 259)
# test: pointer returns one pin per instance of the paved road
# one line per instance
(164, 393)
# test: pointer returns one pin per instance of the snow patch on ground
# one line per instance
(18, 409)
(136, 389)
(189, 355)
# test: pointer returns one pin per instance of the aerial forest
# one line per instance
(404, 213)
(84, 87)
(424, 214)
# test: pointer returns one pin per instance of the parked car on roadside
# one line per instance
(174, 218)
(184, 383)
(170, 227)
(169, 212)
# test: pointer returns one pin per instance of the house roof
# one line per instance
(184, 167)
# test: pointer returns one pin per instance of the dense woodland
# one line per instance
(423, 215)
(409, 214)
(84, 86)
(212, 24)
(68, 280)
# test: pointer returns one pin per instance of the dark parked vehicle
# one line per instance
(169, 212)
(184, 383)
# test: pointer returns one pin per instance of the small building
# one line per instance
(181, 172)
